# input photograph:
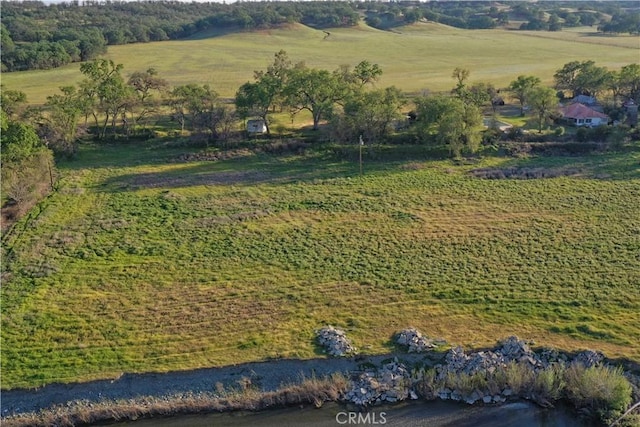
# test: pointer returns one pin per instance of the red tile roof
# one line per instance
(581, 111)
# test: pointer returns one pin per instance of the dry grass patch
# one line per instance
(313, 390)
(524, 173)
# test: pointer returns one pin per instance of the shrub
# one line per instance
(549, 384)
(428, 385)
(600, 389)
(491, 136)
(289, 146)
(520, 378)
(559, 131)
(582, 135)
(514, 134)
(464, 383)
(27, 181)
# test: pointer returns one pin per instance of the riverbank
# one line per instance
(509, 372)
(178, 392)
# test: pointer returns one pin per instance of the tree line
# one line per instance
(39, 36)
(111, 105)
(106, 104)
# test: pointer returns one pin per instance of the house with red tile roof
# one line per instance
(578, 114)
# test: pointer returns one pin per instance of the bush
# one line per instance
(27, 181)
(600, 389)
(428, 385)
(549, 384)
(290, 146)
(520, 378)
(597, 134)
(514, 134)
(582, 135)
(491, 136)
(559, 131)
(566, 148)
(464, 383)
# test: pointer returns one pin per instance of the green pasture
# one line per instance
(414, 58)
(141, 263)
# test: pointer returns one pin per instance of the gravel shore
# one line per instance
(268, 376)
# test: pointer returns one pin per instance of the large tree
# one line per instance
(260, 97)
(202, 107)
(149, 89)
(520, 87)
(592, 79)
(366, 73)
(461, 75)
(627, 81)
(543, 102)
(450, 121)
(12, 101)
(371, 114)
(106, 92)
(61, 117)
(27, 165)
(479, 94)
(582, 78)
(255, 99)
(314, 90)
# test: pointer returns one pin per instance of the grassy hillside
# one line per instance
(140, 263)
(413, 58)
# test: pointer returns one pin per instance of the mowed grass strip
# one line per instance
(413, 58)
(241, 260)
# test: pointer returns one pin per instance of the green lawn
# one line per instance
(141, 264)
(414, 58)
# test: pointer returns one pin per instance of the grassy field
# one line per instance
(414, 58)
(139, 263)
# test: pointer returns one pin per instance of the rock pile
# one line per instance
(589, 358)
(416, 342)
(390, 383)
(475, 396)
(486, 362)
(516, 350)
(335, 341)
(511, 350)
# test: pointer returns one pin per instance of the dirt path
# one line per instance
(266, 375)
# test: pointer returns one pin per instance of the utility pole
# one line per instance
(361, 145)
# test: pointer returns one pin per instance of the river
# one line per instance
(409, 414)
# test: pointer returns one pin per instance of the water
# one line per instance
(412, 414)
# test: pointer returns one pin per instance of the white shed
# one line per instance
(256, 126)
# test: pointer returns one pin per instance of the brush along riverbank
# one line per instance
(511, 371)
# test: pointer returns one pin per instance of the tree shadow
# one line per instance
(250, 170)
(215, 32)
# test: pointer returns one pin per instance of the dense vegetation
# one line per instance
(27, 164)
(35, 35)
(39, 36)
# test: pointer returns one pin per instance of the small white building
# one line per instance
(256, 126)
(580, 115)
